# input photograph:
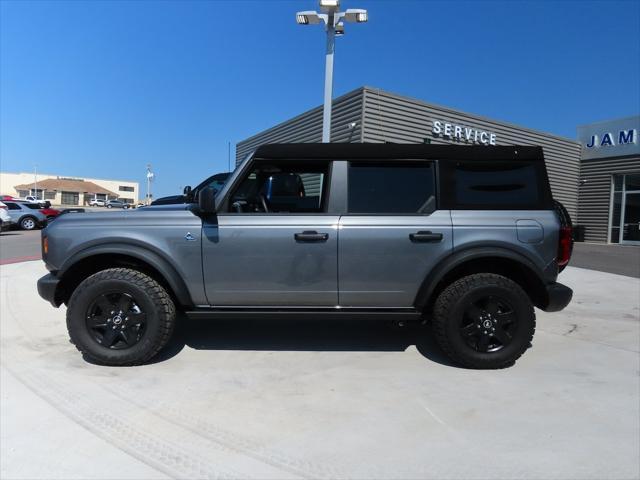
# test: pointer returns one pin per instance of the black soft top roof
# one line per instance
(369, 151)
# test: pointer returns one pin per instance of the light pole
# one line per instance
(150, 176)
(333, 20)
(35, 182)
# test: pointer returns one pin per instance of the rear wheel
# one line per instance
(484, 321)
(120, 317)
(28, 223)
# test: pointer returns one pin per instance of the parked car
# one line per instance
(117, 204)
(468, 238)
(50, 213)
(97, 202)
(214, 181)
(25, 216)
(5, 219)
(72, 210)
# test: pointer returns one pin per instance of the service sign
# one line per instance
(616, 138)
(462, 133)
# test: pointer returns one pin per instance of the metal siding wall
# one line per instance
(392, 118)
(307, 127)
(595, 193)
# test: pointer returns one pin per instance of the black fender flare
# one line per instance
(144, 254)
(456, 259)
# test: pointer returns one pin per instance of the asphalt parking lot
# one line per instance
(323, 400)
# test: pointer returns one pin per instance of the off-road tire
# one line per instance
(28, 223)
(158, 306)
(448, 311)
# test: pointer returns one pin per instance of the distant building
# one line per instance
(67, 191)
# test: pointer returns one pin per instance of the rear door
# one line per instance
(392, 235)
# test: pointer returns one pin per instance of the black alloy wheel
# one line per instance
(488, 324)
(116, 320)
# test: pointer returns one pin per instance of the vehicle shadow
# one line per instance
(302, 335)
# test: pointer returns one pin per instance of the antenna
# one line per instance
(229, 156)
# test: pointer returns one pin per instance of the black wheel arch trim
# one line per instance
(155, 260)
(459, 258)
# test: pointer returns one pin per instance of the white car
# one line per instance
(31, 199)
(96, 202)
(5, 219)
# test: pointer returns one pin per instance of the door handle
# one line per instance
(426, 236)
(311, 236)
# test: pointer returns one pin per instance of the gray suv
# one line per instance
(465, 237)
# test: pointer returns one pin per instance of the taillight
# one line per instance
(565, 247)
(45, 245)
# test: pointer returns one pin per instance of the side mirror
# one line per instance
(207, 201)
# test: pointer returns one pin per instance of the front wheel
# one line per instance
(109, 206)
(120, 317)
(484, 321)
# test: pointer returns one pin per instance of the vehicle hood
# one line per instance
(130, 217)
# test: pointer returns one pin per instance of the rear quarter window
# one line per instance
(500, 185)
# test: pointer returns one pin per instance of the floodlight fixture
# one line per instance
(356, 15)
(308, 18)
(329, 5)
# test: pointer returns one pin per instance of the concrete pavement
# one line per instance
(323, 400)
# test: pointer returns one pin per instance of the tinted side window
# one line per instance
(12, 206)
(490, 184)
(394, 187)
(287, 187)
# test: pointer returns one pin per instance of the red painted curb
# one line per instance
(7, 261)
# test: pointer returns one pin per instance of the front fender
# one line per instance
(143, 253)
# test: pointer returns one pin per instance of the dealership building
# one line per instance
(67, 191)
(578, 172)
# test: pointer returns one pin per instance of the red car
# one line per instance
(51, 213)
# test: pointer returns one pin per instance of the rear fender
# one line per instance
(494, 260)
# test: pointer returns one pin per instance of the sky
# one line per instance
(102, 88)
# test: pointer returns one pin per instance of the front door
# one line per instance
(274, 245)
(392, 235)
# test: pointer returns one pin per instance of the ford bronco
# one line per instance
(468, 238)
